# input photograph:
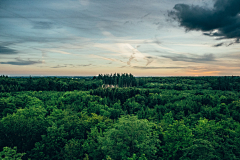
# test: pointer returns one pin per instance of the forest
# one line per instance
(120, 117)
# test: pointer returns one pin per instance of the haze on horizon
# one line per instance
(142, 37)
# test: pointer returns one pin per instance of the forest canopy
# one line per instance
(120, 117)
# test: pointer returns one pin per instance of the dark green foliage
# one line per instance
(47, 84)
(128, 136)
(143, 157)
(52, 144)
(10, 154)
(200, 150)
(120, 117)
(24, 128)
(118, 80)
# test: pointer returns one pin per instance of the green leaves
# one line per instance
(177, 137)
(10, 154)
(52, 144)
(128, 136)
(24, 128)
(220, 136)
(137, 158)
(73, 149)
(200, 150)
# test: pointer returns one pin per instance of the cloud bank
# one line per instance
(6, 50)
(21, 62)
(221, 21)
(193, 58)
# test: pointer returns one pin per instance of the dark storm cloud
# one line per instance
(222, 21)
(21, 62)
(6, 50)
(192, 58)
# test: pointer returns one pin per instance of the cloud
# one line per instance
(108, 59)
(192, 58)
(234, 56)
(149, 60)
(84, 2)
(226, 43)
(145, 15)
(222, 21)
(71, 65)
(57, 51)
(42, 25)
(136, 55)
(219, 44)
(21, 62)
(157, 42)
(144, 67)
(84, 65)
(58, 66)
(130, 59)
(44, 54)
(6, 50)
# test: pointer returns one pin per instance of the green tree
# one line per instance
(24, 128)
(137, 158)
(128, 136)
(73, 149)
(177, 137)
(10, 154)
(10, 109)
(200, 150)
(52, 145)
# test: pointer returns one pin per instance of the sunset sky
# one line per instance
(142, 37)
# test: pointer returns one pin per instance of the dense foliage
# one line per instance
(119, 80)
(120, 117)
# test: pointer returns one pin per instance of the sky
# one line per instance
(142, 37)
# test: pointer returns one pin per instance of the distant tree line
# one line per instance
(224, 83)
(46, 84)
(8, 84)
(120, 80)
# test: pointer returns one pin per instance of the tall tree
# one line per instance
(128, 136)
